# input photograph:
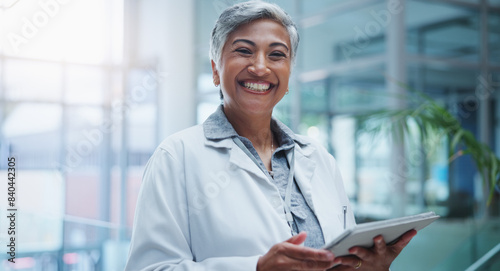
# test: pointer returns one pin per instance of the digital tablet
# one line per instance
(391, 229)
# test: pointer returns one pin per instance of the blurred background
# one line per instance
(89, 88)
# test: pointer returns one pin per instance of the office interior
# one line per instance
(88, 89)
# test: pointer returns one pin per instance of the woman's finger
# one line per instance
(307, 254)
(380, 246)
(294, 264)
(352, 261)
(361, 252)
(368, 254)
(289, 255)
(297, 239)
(291, 249)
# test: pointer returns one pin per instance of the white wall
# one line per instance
(166, 34)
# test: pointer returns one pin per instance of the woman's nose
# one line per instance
(259, 66)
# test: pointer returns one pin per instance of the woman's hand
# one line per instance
(377, 258)
(290, 255)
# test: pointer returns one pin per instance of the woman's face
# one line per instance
(255, 67)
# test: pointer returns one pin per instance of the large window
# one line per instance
(81, 124)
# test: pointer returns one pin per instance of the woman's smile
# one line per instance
(257, 87)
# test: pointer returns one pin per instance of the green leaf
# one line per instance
(456, 139)
(493, 176)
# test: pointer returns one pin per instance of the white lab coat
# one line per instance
(205, 205)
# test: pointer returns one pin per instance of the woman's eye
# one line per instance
(243, 51)
(278, 54)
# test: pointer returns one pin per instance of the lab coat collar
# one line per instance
(217, 127)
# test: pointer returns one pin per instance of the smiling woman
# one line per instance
(254, 74)
(254, 69)
(242, 191)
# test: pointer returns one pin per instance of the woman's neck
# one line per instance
(256, 128)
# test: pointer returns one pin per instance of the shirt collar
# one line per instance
(217, 127)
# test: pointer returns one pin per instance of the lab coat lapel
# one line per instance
(304, 171)
(238, 158)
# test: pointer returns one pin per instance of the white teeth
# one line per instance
(257, 87)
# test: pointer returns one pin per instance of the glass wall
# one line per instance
(80, 123)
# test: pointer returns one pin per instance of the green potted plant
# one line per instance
(434, 122)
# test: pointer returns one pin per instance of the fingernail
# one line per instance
(330, 255)
(353, 251)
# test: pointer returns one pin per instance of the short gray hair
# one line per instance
(234, 16)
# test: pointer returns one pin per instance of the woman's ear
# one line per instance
(215, 74)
